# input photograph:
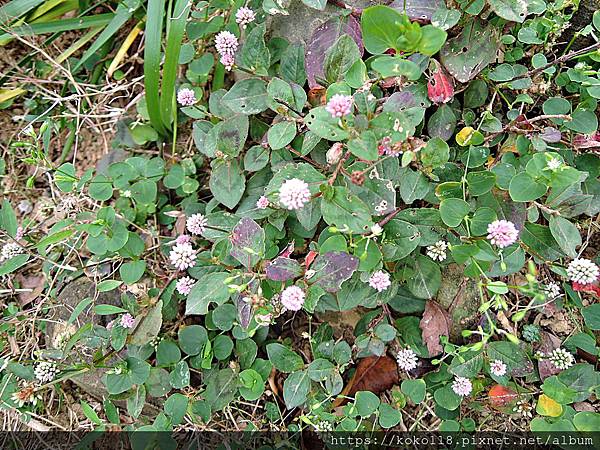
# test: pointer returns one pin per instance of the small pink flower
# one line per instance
(226, 43)
(127, 320)
(339, 105)
(407, 359)
(380, 281)
(244, 16)
(196, 224)
(186, 97)
(183, 239)
(262, 203)
(462, 386)
(228, 61)
(19, 234)
(502, 233)
(293, 298)
(184, 285)
(498, 368)
(294, 194)
(183, 256)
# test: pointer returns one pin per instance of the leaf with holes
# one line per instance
(471, 51)
(247, 96)
(513, 10)
(332, 269)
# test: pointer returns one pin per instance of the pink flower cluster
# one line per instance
(462, 386)
(339, 105)
(244, 16)
(380, 281)
(227, 44)
(184, 285)
(294, 194)
(183, 256)
(502, 233)
(186, 97)
(196, 224)
(262, 203)
(127, 320)
(293, 298)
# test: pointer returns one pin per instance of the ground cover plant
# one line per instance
(300, 215)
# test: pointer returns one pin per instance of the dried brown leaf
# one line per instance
(435, 323)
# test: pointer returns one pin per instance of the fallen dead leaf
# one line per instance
(373, 373)
(435, 323)
(33, 282)
(548, 342)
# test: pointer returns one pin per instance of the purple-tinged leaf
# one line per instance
(247, 242)
(548, 343)
(589, 141)
(551, 134)
(332, 269)
(244, 309)
(283, 269)
(323, 39)
(420, 10)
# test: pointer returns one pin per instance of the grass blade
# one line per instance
(57, 26)
(17, 8)
(152, 57)
(176, 31)
(122, 15)
(128, 42)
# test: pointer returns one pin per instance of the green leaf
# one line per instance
(284, 359)
(365, 146)
(591, 315)
(366, 403)
(413, 186)
(316, 4)
(8, 219)
(175, 33)
(13, 264)
(247, 96)
(227, 182)
(414, 389)
(192, 339)
(295, 389)
(320, 122)
(395, 66)
(209, 288)
(340, 57)
(346, 211)
(132, 271)
(447, 398)
(523, 188)
(388, 416)
(108, 285)
(516, 360)
(566, 234)
(254, 55)
(432, 39)
(281, 134)
(291, 66)
(453, 211)
(426, 279)
(512, 10)
(436, 153)
(381, 28)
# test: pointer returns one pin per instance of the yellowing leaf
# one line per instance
(548, 407)
(469, 136)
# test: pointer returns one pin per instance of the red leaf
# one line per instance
(590, 141)
(501, 396)
(591, 288)
(435, 323)
(440, 88)
(310, 257)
